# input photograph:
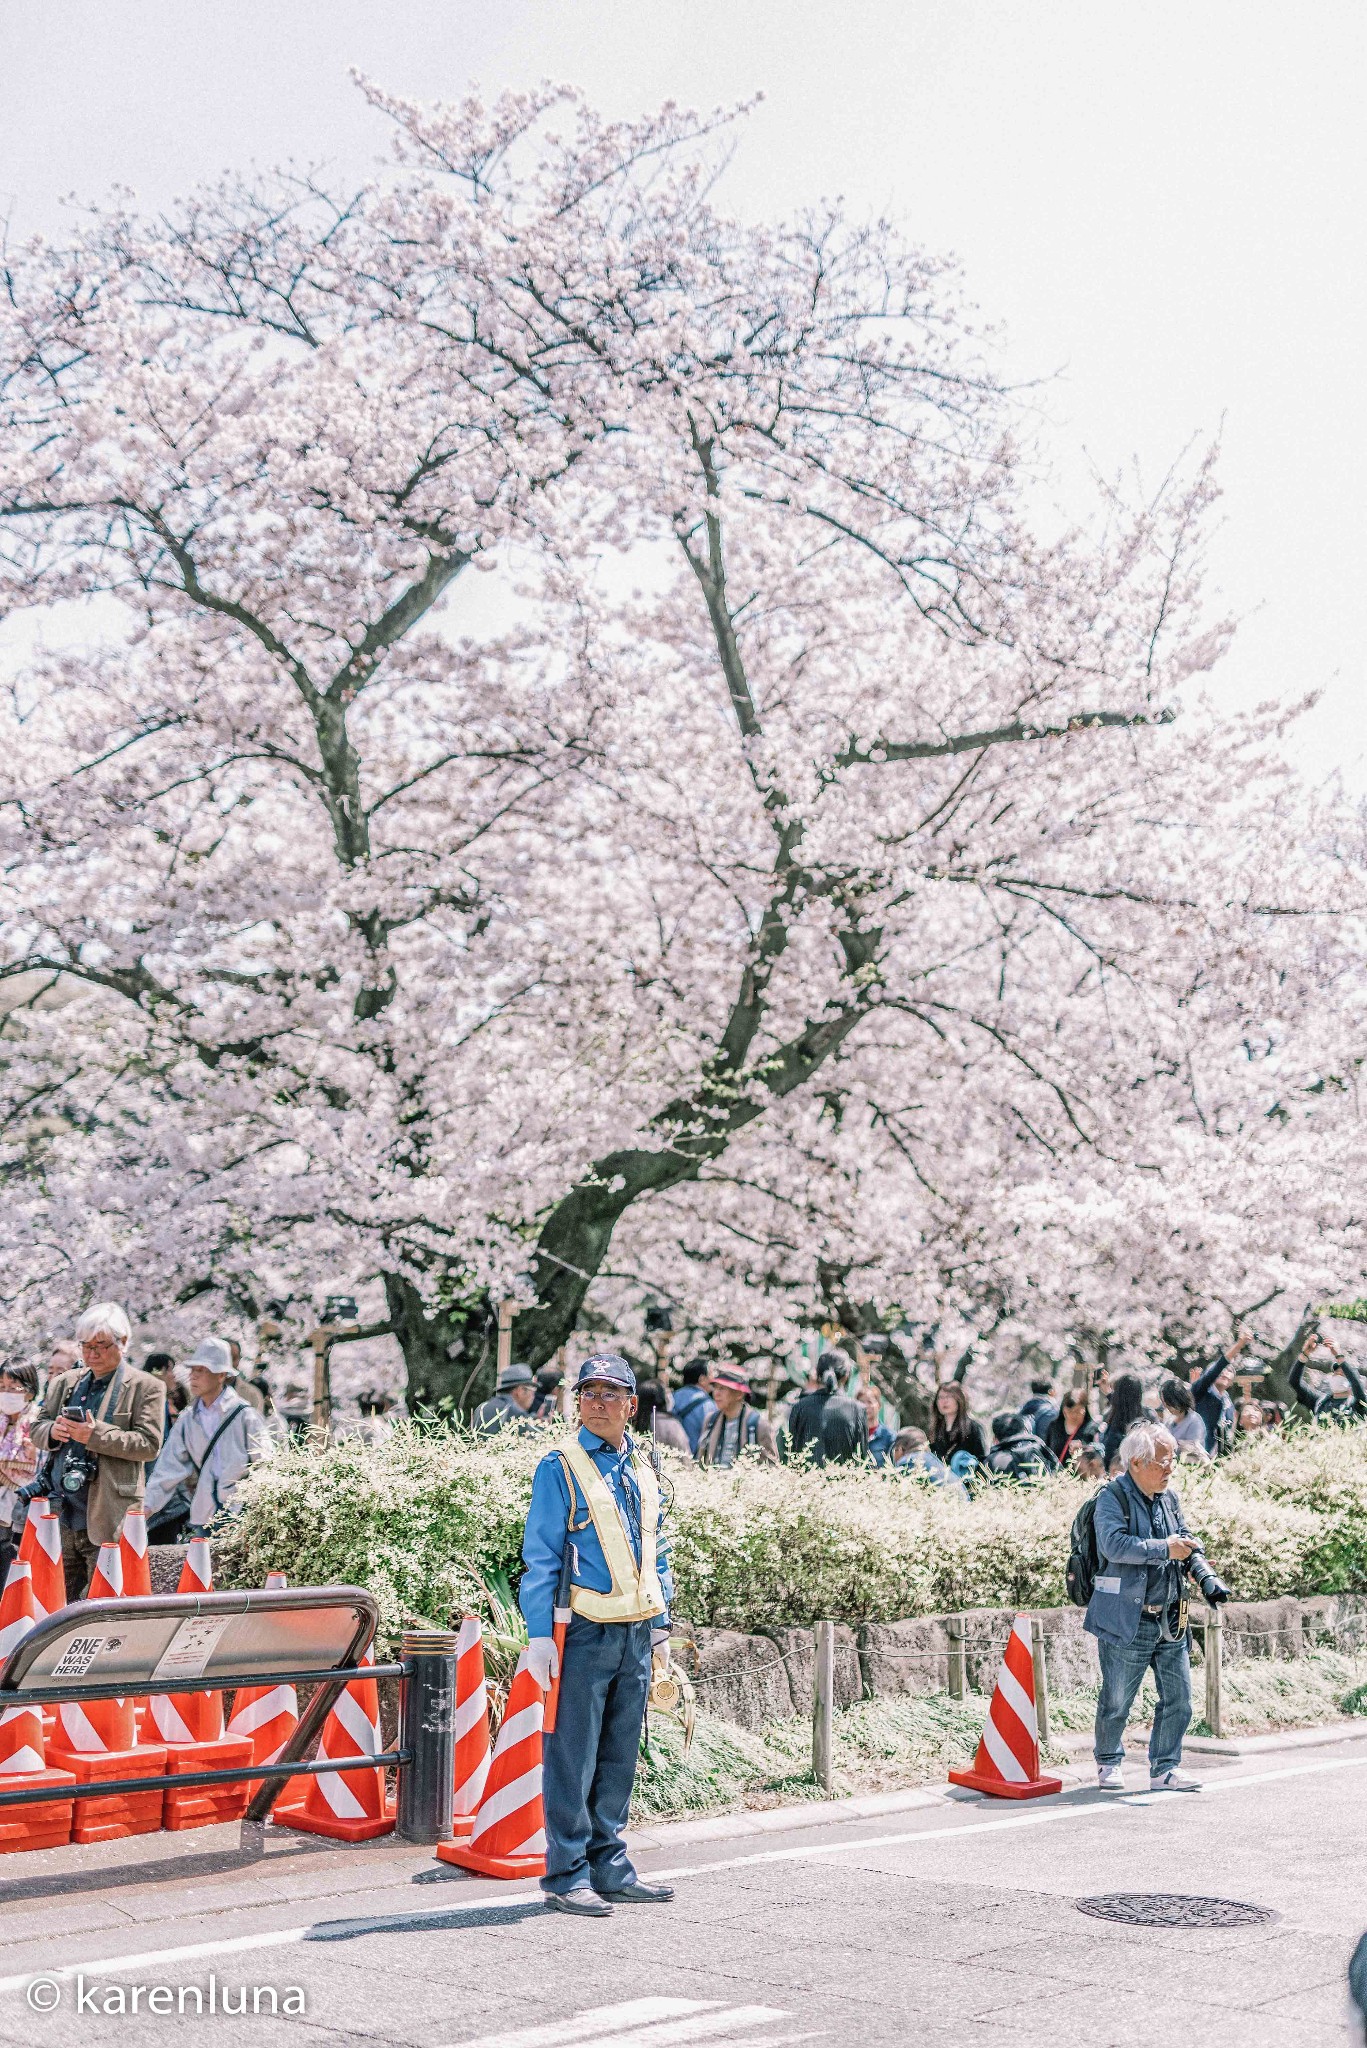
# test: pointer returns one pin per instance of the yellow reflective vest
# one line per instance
(636, 1594)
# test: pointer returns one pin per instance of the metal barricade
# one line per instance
(218, 1642)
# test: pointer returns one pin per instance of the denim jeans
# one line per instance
(1122, 1673)
(589, 1763)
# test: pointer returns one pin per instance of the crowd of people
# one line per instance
(99, 1435)
(716, 1413)
(96, 1432)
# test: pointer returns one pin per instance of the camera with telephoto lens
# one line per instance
(1214, 1591)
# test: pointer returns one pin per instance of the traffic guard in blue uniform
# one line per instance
(594, 1543)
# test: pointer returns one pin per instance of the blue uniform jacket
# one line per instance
(547, 1533)
(1114, 1608)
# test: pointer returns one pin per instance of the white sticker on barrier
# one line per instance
(190, 1648)
(80, 1653)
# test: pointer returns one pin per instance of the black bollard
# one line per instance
(427, 1728)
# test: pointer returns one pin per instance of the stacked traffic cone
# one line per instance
(349, 1806)
(137, 1585)
(40, 1548)
(137, 1566)
(191, 1726)
(472, 1724)
(98, 1739)
(266, 1714)
(509, 1838)
(23, 1760)
(1007, 1763)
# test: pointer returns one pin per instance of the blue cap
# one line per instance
(607, 1365)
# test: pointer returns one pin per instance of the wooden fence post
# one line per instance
(823, 1704)
(1215, 1644)
(958, 1673)
(1041, 1680)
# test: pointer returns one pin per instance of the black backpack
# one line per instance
(1084, 1560)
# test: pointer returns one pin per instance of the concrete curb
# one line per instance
(815, 1813)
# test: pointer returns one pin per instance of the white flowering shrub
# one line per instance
(429, 1520)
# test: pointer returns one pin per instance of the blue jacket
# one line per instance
(1114, 1608)
(547, 1534)
(694, 1409)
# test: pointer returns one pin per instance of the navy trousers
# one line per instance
(589, 1763)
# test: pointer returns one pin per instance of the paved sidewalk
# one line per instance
(939, 1915)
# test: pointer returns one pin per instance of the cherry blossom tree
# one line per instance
(781, 826)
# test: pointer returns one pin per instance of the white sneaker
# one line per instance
(1174, 1781)
(1111, 1777)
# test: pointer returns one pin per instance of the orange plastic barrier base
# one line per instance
(998, 1788)
(41, 1826)
(490, 1866)
(329, 1824)
(203, 1806)
(462, 1826)
(122, 1813)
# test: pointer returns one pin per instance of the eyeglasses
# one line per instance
(593, 1393)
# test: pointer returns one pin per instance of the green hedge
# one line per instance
(429, 1520)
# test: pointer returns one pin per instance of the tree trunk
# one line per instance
(449, 1354)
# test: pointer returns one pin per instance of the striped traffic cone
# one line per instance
(41, 1549)
(98, 1739)
(182, 1717)
(17, 1614)
(266, 1714)
(509, 1837)
(472, 1724)
(191, 1726)
(350, 1806)
(23, 1759)
(137, 1566)
(1007, 1763)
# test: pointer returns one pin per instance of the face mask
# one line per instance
(12, 1404)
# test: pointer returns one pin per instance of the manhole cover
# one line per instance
(1170, 1909)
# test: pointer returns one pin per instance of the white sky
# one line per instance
(1162, 202)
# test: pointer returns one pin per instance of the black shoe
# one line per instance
(581, 1900)
(638, 1894)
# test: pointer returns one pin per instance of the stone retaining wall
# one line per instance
(750, 1679)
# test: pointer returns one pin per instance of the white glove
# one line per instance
(659, 1652)
(543, 1660)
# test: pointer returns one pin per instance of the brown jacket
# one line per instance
(765, 1443)
(124, 1444)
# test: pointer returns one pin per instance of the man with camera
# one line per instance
(1138, 1608)
(100, 1425)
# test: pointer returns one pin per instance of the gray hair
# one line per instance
(105, 1319)
(1145, 1441)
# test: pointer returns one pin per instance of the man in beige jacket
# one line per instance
(102, 1421)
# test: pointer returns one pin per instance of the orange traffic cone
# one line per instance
(23, 1761)
(348, 1805)
(17, 1614)
(191, 1726)
(509, 1838)
(137, 1566)
(41, 1549)
(472, 1724)
(98, 1739)
(1007, 1763)
(266, 1714)
(191, 1716)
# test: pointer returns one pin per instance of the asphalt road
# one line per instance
(952, 1922)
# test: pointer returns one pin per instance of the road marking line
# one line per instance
(602, 2019)
(422, 1916)
(646, 2023)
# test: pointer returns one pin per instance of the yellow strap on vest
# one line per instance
(635, 1596)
